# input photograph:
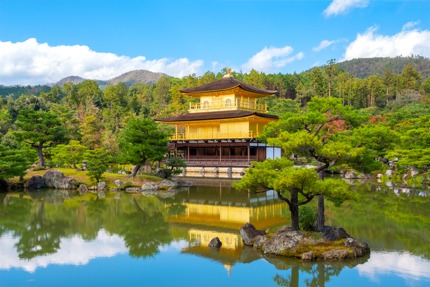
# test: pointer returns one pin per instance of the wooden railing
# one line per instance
(239, 104)
(213, 135)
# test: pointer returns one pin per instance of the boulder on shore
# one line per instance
(56, 179)
(249, 233)
(35, 182)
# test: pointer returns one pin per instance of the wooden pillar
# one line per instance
(176, 132)
(188, 152)
(249, 151)
(220, 152)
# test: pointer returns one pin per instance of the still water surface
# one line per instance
(56, 238)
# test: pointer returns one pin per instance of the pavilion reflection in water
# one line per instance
(220, 211)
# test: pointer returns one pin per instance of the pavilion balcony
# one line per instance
(239, 104)
(214, 135)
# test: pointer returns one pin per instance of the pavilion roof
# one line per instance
(226, 83)
(215, 116)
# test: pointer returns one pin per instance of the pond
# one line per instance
(52, 238)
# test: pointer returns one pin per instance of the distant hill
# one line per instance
(129, 79)
(137, 76)
(365, 67)
(17, 91)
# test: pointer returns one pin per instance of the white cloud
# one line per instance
(271, 59)
(104, 245)
(30, 62)
(405, 43)
(342, 6)
(410, 25)
(403, 265)
(324, 44)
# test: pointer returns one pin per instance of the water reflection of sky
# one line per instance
(73, 251)
(77, 258)
(404, 265)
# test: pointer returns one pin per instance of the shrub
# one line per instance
(307, 218)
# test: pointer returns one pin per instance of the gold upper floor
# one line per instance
(225, 103)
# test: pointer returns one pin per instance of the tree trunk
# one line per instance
(321, 211)
(321, 207)
(136, 169)
(294, 210)
(41, 161)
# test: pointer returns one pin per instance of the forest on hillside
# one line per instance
(84, 118)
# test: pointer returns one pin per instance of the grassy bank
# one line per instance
(82, 177)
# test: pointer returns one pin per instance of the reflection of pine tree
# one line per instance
(41, 236)
(321, 273)
(144, 229)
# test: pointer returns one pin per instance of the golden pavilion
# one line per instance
(222, 129)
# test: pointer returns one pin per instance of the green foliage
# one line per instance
(142, 140)
(68, 155)
(39, 129)
(174, 166)
(14, 162)
(307, 218)
(97, 162)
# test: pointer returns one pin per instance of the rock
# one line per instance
(350, 175)
(337, 254)
(361, 248)
(35, 182)
(389, 172)
(56, 179)
(166, 184)
(215, 243)
(132, 189)
(118, 182)
(259, 241)
(308, 256)
(182, 183)
(283, 242)
(101, 185)
(149, 186)
(379, 175)
(82, 189)
(248, 233)
(333, 233)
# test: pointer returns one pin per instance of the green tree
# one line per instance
(40, 130)
(15, 161)
(311, 134)
(142, 140)
(97, 163)
(69, 154)
(295, 186)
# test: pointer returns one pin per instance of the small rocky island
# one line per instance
(332, 243)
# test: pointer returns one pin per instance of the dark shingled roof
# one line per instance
(215, 116)
(225, 84)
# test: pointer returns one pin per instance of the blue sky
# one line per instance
(42, 41)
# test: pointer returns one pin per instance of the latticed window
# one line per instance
(228, 103)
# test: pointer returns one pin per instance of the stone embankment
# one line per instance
(57, 180)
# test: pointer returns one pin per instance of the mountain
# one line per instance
(72, 79)
(129, 79)
(136, 76)
(365, 67)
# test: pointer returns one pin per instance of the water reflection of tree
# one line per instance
(144, 228)
(41, 235)
(321, 272)
(14, 214)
